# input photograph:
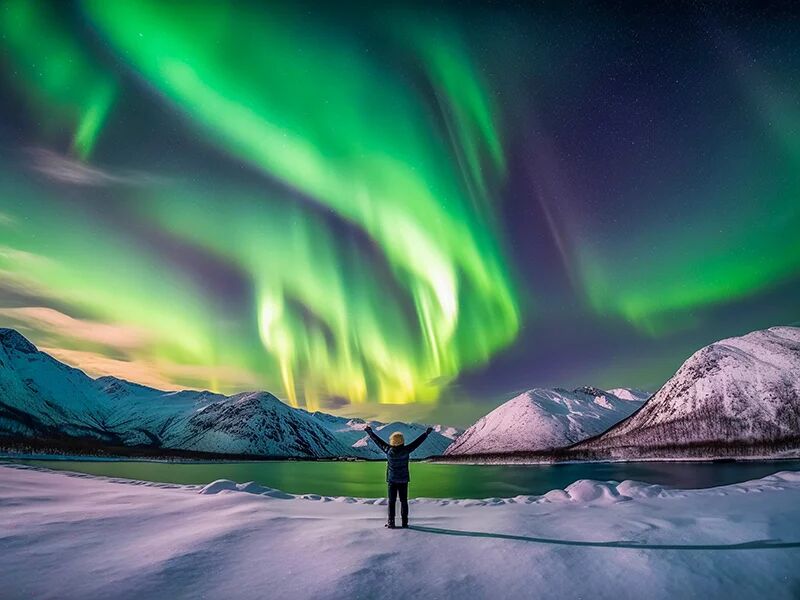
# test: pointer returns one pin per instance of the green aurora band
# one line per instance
(329, 323)
(57, 75)
(741, 236)
(98, 272)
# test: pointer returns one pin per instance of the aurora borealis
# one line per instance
(390, 210)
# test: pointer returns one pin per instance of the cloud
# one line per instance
(14, 255)
(160, 375)
(11, 281)
(97, 365)
(115, 349)
(54, 322)
(219, 378)
(68, 170)
(334, 402)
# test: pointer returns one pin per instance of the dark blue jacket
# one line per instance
(397, 457)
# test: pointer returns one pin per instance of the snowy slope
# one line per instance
(447, 431)
(254, 423)
(145, 415)
(348, 431)
(75, 537)
(41, 397)
(249, 423)
(736, 391)
(630, 394)
(541, 419)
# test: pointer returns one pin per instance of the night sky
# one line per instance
(396, 210)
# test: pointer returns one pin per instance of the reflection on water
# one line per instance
(366, 479)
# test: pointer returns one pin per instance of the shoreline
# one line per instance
(85, 450)
(251, 487)
(11, 457)
(555, 463)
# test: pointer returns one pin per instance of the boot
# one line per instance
(404, 525)
(390, 524)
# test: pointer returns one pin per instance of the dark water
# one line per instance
(366, 479)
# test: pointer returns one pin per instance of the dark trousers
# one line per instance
(398, 489)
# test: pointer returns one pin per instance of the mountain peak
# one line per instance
(542, 419)
(590, 390)
(14, 340)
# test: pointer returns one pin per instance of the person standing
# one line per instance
(397, 474)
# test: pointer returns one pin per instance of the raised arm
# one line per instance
(417, 442)
(381, 444)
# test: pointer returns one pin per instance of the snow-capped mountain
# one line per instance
(542, 419)
(254, 423)
(347, 430)
(739, 391)
(41, 397)
(147, 416)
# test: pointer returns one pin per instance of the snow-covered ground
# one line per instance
(76, 536)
